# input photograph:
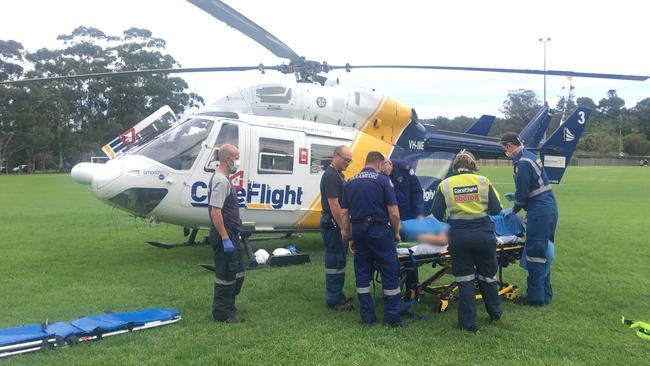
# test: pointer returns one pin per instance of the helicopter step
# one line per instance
(283, 236)
(191, 241)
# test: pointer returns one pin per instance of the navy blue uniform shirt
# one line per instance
(532, 188)
(367, 194)
(408, 190)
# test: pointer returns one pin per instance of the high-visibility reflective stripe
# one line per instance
(392, 292)
(485, 191)
(334, 270)
(487, 279)
(542, 187)
(539, 190)
(447, 191)
(536, 259)
(219, 281)
(466, 216)
(464, 278)
(239, 275)
(363, 290)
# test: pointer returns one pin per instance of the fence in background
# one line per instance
(575, 162)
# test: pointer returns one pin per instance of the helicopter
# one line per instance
(286, 133)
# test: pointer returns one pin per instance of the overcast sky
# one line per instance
(589, 36)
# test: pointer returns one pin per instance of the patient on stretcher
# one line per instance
(426, 236)
(429, 236)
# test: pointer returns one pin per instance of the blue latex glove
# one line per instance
(227, 246)
(506, 212)
(510, 196)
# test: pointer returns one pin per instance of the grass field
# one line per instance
(63, 254)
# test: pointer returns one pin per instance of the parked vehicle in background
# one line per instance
(20, 168)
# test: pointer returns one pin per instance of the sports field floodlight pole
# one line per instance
(545, 41)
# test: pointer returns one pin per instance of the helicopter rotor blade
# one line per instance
(349, 67)
(238, 21)
(260, 67)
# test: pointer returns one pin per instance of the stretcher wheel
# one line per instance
(440, 306)
(443, 305)
(512, 295)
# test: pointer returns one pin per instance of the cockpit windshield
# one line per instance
(178, 147)
(433, 166)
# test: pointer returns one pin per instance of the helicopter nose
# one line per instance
(83, 172)
(96, 175)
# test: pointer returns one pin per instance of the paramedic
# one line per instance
(466, 200)
(533, 193)
(369, 202)
(408, 190)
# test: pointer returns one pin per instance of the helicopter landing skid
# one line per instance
(210, 267)
(284, 236)
(191, 241)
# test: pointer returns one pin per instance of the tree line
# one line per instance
(611, 126)
(53, 125)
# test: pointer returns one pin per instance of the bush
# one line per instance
(636, 144)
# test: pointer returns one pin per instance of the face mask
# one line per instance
(234, 168)
(507, 154)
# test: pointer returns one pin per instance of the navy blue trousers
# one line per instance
(473, 257)
(540, 228)
(228, 275)
(375, 248)
(335, 259)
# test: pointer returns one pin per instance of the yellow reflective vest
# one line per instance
(466, 196)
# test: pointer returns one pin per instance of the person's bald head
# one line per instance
(342, 158)
(228, 151)
(227, 155)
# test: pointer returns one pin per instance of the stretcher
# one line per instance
(510, 244)
(35, 337)
(413, 288)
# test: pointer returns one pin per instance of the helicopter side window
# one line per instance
(228, 134)
(276, 156)
(178, 147)
(321, 158)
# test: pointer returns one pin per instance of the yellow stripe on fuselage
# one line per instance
(258, 205)
(379, 132)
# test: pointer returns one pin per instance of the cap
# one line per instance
(510, 138)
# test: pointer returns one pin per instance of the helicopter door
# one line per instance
(144, 131)
(227, 132)
(278, 166)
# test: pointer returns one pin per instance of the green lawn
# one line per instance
(64, 254)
